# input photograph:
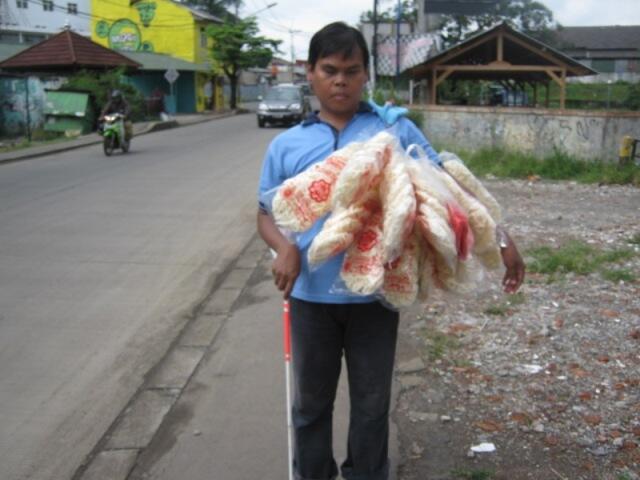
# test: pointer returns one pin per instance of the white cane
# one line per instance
(287, 369)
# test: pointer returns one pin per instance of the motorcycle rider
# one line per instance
(118, 104)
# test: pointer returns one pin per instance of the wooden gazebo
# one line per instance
(504, 55)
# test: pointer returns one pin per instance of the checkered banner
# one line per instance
(414, 50)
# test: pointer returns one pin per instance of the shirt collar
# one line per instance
(314, 117)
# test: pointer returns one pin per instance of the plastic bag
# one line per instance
(482, 225)
(401, 277)
(341, 228)
(363, 171)
(398, 200)
(458, 170)
(459, 232)
(363, 269)
(425, 273)
(432, 215)
(303, 199)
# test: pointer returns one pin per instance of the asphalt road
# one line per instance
(102, 261)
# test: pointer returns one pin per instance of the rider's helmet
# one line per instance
(116, 95)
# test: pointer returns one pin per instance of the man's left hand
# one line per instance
(514, 276)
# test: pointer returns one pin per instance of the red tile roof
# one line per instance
(67, 50)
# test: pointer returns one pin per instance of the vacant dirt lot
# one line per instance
(550, 377)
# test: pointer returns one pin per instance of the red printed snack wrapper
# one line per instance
(363, 172)
(341, 228)
(398, 200)
(482, 225)
(458, 170)
(426, 276)
(400, 285)
(460, 226)
(303, 199)
(362, 270)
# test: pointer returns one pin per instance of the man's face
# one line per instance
(338, 82)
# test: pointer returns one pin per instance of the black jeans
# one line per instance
(319, 334)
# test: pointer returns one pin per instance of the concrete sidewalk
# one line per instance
(214, 408)
(140, 128)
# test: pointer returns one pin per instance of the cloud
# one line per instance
(309, 17)
(595, 12)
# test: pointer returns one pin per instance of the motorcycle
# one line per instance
(114, 134)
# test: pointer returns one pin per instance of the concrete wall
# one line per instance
(13, 104)
(584, 134)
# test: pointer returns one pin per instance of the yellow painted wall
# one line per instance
(202, 53)
(158, 26)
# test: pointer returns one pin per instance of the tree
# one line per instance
(528, 16)
(408, 13)
(237, 46)
(219, 8)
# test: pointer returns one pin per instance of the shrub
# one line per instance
(633, 97)
(101, 84)
(417, 117)
(557, 166)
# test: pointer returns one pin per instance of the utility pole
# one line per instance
(398, 17)
(293, 53)
(26, 95)
(374, 43)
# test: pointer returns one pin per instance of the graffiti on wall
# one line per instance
(13, 105)
(147, 11)
(124, 34)
(589, 135)
(582, 134)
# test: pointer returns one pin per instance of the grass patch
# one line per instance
(622, 275)
(623, 476)
(37, 140)
(635, 240)
(581, 259)
(559, 166)
(472, 474)
(502, 309)
(516, 299)
(439, 343)
(498, 310)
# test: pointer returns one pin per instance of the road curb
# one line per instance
(115, 455)
(152, 127)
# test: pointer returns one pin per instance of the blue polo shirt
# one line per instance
(295, 150)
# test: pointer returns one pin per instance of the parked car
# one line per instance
(283, 104)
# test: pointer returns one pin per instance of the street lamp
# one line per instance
(271, 5)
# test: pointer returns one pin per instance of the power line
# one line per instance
(271, 12)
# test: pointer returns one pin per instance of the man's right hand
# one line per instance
(286, 268)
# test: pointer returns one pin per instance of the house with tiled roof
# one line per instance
(66, 52)
(613, 51)
(30, 70)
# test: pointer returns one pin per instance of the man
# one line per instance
(118, 104)
(325, 324)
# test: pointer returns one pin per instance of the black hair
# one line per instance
(337, 37)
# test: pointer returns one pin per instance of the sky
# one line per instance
(299, 19)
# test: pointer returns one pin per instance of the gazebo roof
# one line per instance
(500, 53)
(64, 51)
